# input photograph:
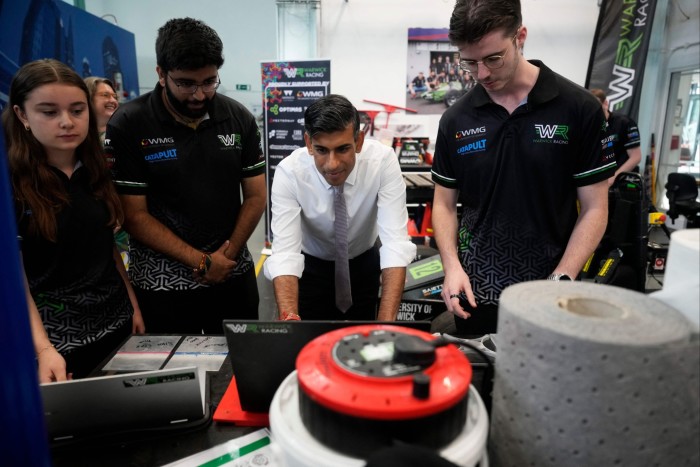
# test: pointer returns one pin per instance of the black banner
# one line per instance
(288, 89)
(619, 52)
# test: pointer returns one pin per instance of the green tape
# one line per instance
(230, 456)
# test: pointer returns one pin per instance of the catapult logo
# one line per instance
(160, 156)
(473, 147)
(157, 141)
(231, 141)
(471, 132)
(556, 134)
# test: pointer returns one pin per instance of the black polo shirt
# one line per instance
(625, 135)
(74, 281)
(191, 178)
(517, 176)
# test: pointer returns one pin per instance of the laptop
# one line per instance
(263, 354)
(149, 400)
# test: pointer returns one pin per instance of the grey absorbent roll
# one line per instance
(593, 375)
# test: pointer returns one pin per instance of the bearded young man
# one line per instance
(182, 154)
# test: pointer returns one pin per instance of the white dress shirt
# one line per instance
(303, 214)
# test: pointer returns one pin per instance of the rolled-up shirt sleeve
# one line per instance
(397, 249)
(286, 258)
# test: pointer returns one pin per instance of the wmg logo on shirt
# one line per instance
(231, 141)
(157, 141)
(558, 134)
(471, 132)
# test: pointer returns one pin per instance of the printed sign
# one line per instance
(288, 89)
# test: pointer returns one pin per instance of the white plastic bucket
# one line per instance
(298, 448)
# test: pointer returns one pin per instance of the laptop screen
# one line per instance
(263, 353)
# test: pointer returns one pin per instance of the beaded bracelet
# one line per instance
(204, 265)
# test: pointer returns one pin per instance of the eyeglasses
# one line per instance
(107, 95)
(493, 62)
(188, 87)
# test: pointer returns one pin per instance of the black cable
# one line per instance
(489, 373)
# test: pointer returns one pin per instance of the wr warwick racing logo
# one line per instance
(233, 139)
(558, 134)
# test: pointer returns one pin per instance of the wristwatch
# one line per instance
(558, 277)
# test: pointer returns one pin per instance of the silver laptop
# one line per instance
(148, 400)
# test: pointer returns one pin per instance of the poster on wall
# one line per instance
(289, 87)
(434, 80)
(35, 29)
(619, 53)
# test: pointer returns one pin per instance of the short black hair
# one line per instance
(329, 114)
(473, 19)
(600, 94)
(188, 44)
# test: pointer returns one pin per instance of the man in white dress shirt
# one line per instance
(367, 173)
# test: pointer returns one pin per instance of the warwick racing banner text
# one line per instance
(619, 52)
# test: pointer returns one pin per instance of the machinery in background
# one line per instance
(682, 194)
(621, 257)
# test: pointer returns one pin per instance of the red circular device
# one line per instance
(365, 387)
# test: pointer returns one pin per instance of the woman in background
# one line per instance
(104, 101)
(80, 301)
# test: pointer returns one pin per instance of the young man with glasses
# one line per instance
(517, 152)
(183, 154)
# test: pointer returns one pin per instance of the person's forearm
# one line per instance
(445, 234)
(119, 263)
(39, 336)
(634, 158)
(151, 232)
(137, 318)
(254, 200)
(628, 166)
(393, 281)
(248, 218)
(287, 294)
(584, 239)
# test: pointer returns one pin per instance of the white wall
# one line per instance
(247, 29)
